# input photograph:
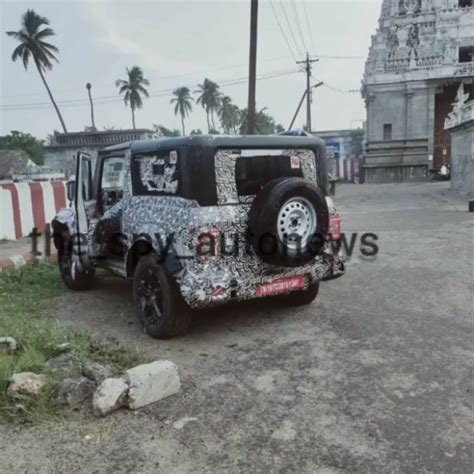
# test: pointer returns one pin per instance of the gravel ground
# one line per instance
(375, 376)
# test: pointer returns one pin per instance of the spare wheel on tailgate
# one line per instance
(288, 222)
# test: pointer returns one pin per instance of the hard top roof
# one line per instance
(220, 141)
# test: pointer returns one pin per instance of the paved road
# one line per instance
(373, 377)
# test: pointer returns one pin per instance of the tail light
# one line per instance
(208, 244)
(334, 231)
(213, 244)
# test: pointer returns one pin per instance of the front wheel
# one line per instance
(161, 308)
(302, 297)
(73, 277)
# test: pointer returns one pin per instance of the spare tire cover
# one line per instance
(288, 222)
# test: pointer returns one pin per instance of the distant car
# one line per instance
(203, 220)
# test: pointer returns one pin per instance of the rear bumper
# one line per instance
(216, 282)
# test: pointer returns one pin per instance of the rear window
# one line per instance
(252, 173)
(240, 174)
(156, 174)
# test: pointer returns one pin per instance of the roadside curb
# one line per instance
(16, 261)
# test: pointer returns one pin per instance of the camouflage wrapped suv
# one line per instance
(199, 221)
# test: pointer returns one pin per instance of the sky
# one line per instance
(179, 43)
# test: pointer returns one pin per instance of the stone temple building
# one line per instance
(420, 54)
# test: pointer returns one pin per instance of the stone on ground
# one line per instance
(97, 372)
(65, 365)
(26, 384)
(73, 392)
(109, 396)
(149, 383)
(10, 342)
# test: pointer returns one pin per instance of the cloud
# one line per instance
(134, 38)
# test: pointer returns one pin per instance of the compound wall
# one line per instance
(24, 206)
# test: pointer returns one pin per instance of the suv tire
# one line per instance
(161, 309)
(81, 280)
(302, 297)
(282, 205)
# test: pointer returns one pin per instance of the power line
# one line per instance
(152, 93)
(161, 76)
(298, 24)
(341, 57)
(290, 29)
(341, 91)
(309, 28)
(117, 99)
(282, 31)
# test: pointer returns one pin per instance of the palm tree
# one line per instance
(183, 105)
(210, 99)
(133, 87)
(229, 115)
(32, 36)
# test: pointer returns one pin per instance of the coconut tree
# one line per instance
(229, 115)
(32, 37)
(209, 98)
(133, 88)
(182, 101)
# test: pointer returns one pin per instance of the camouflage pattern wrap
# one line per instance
(174, 224)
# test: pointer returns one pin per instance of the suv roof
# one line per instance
(222, 141)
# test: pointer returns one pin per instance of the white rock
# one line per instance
(109, 396)
(26, 384)
(149, 383)
(180, 424)
(10, 342)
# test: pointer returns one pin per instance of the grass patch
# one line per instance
(24, 298)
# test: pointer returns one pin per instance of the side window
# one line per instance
(112, 173)
(156, 173)
(111, 181)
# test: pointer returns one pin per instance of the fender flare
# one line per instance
(142, 246)
(63, 222)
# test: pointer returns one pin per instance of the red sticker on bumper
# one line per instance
(282, 285)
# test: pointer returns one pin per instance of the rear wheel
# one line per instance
(161, 308)
(302, 297)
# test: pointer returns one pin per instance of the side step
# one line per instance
(113, 265)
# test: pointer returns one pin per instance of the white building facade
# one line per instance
(420, 54)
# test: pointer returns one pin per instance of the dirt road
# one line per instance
(372, 377)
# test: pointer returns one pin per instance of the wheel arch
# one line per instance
(142, 247)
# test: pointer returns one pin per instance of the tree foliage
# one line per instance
(229, 115)
(16, 140)
(162, 131)
(209, 98)
(265, 124)
(133, 88)
(182, 100)
(32, 37)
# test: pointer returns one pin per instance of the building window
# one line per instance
(466, 54)
(465, 3)
(387, 131)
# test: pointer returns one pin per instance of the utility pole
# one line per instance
(88, 87)
(308, 62)
(305, 93)
(252, 67)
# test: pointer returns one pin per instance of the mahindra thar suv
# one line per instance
(202, 220)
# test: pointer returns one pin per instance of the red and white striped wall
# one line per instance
(27, 205)
(346, 169)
